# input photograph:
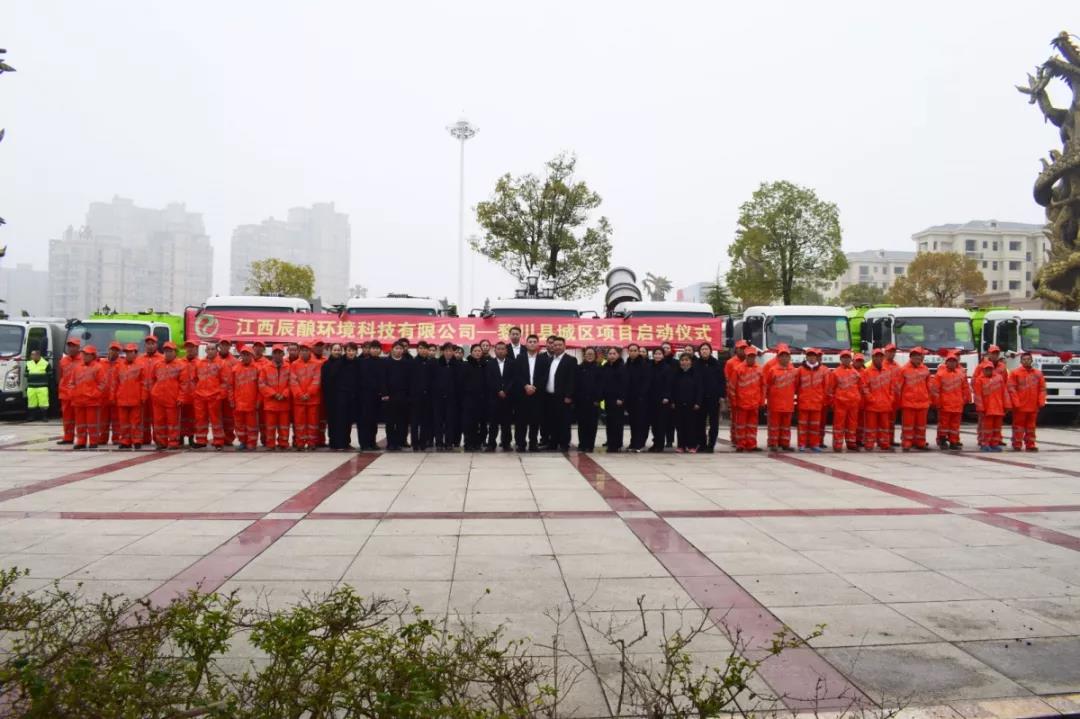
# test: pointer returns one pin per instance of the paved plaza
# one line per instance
(949, 581)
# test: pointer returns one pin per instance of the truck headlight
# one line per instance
(13, 379)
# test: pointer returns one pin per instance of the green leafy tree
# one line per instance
(786, 238)
(937, 279)
(657, 286)
(273, 277)
(535, 225)
(862, 294)
(807, 295)
(719, 298)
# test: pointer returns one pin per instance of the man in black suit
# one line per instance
(532, 372)
(501, 386)
(559, 396)
(514, 348)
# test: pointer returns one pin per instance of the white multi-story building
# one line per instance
(1008, 253)
(694, 293)
(24, 289)
(878, 268)
(317, 236)
(131, 259)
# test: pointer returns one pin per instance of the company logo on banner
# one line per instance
(278, 327)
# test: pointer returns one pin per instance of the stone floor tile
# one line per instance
(378, 567)
(921, 586)
(1042, 665)
(854, 626)
(977, 619)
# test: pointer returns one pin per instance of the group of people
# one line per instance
(865, 400)
(524, 396)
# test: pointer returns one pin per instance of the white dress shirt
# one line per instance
(531, 359)
(555, 360)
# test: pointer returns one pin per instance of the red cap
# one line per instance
(131, 347)
(993, 348)
(191, 343)
(150, 338)
(812, 351)
(276, 348)
(890, 346)
(225, 341)
(258, 343)
(305, 345)
(169, 346)
(114, 345)
(751, 350)
(859, 357)
(90, 350)
(741, 343)
(952, 356)
(845, 353)
(244, 349)
(782, 347)
(317, 343)
(917, 351)
(74, 341)
(877, 351)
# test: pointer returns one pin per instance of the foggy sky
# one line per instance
(904, 115)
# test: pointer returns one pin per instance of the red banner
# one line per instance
(280, 327)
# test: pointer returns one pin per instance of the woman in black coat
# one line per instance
(686, 396)
(474, 399)
(588, 391)
(339, 391)
(613, 391)
(660, 399)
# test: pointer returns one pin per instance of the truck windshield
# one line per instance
(1050, 335)
(824, 333)
(507, 312)
(672, 313)
(933, 333)
(11, 340)
(403, 311)
(245, 308)
(100, 334)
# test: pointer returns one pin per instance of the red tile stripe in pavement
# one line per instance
(213, 570)
(79, 476)
(825, 512)
(1016, 526)
(1024, 465)
(1031, 509)
(928, 500)
(797, 675)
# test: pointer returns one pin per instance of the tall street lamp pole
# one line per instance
(462, 131)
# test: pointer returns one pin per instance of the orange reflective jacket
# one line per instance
(131, 384)
(991, 395)
(949, 389)
(780, 387)
(1027, 389)
(749, 387)
(811, 386)
(274, 380)
(210, 379)
(844, 387)
(90, 384)
(167, 381)
(913, 387)
(244, 387)
(878, 389)
(306, 379)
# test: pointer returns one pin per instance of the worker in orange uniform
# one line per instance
(151, 356)
(190, 361)
(747, 398)
(208, 393)
(168, 379)
(65, 382)
(305, 386)
(89, 392)
(734, 362)
(780, 347)
(894, 367)
(244, 398)
(879, 402)
(858, 361)
(130, 391)
(949, 393)
(811, 388)
(318, 353)
(912, 387)
(108, 430)
(991, 403)
(780, 380)
(230, 361)
(274, 379)
(1027, 394)
(993, 357)
(844, 391)
(259, 359)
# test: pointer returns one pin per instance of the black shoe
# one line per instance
(534, 448)
(655, 449)
(79, 447)
(66, 441)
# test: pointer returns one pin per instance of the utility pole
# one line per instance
(461, 131)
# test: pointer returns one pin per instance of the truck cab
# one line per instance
(503, 309)
(799, 326)
(1053, 338)
(407, 306)
(255, 303)
(101, 332)
(936, 329)
(18, 337)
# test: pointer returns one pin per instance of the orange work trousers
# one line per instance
(1023, 429)
(989, 431)
(87, 425)
(246, 425)
(277, 427)
(948, 427)
(845, 425)
(811, 427)
(207, 418)
(879, 429)
(129, 429)
(912, 427)
(779, 429)
(67, 411)
(746, 426)
(166, 425)
(306, 425)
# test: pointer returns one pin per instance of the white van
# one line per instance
(697, 310)
(409, 306)
(799, 326)
(932, 328)
(18, 336)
